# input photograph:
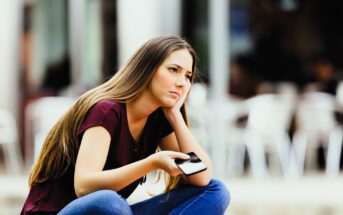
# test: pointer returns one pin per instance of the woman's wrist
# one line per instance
(152, 162)
(174, 117)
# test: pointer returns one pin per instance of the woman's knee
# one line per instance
(220, 191)
(106, 196)
(108, 202)
(112, 201)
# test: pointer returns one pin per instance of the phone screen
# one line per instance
(192, 165)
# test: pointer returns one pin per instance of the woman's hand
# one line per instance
(166, 160)
(171, 111)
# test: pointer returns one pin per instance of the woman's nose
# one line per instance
(180, 82)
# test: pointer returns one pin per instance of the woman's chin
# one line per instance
(169, 103)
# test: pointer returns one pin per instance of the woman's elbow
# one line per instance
(202, 182)
(205, 182)
(205, 179)
(79, 191)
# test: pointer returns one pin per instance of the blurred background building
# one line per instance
(267, 103)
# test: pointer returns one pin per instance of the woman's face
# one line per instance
(172, 79)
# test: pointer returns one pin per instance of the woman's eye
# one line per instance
(189, 77)
(172, 69)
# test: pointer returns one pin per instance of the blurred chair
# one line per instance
(205, 118)
(315, 126)
(199, 114)
(9, 141)
(235, 116)
(41, 115)
(267, 133)
(287, 89)
(339, 94)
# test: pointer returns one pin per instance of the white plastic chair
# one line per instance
(339, 93)
(41, 115)
(199, 114)
(234, 135)
(206, 118)
(316, 125)
(9, 141)
(267, 132)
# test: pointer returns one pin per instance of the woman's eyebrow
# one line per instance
(180, 67)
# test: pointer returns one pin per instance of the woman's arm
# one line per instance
(89, 174)
(182, 140)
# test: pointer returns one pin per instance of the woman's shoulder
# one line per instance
(107, 113)
(107, 104)
(106, 108)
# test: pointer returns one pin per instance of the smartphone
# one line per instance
(192, 165)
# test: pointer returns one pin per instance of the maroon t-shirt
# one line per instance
(52, 196)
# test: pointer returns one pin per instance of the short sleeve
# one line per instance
(105, 113)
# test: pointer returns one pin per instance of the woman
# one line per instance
(102, 148)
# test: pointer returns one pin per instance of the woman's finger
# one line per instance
(180, 155)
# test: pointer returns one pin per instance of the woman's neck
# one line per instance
(140, 108)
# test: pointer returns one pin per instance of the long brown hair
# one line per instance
(61, 145)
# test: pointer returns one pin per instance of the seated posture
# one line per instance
(101, 149)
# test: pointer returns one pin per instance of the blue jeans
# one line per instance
(212, 199)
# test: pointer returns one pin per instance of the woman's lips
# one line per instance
(175, 94)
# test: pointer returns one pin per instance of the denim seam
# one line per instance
(183, 210)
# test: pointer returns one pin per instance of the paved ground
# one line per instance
(310, 195)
